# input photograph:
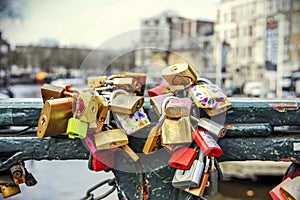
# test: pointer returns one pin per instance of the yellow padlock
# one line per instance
(77, 128)
(10, 190)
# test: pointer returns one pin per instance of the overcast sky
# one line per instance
(90, 23)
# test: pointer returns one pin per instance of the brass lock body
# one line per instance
(86, 107)
(176, 131)
(110, 139)
(54, 117)
(126, 103)
(51, 92)
(9, 190)
(153, 141)
(96, 81)
(179, 74)
(102, 112)
(128, 84)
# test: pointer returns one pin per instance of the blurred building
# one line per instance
(252, 42)
(5, 60)
(169, 38)
(46, 58)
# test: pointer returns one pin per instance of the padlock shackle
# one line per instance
(116, 92)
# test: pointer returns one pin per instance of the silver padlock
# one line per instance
(189, 178)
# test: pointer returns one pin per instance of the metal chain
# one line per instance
(90, 196)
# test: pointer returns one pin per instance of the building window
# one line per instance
(250, 31)
(232, 16)
(250, 52)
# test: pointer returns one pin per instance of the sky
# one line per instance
(90, 23)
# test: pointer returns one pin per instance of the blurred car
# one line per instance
(255, 89)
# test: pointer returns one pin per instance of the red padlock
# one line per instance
(183, 158)
(158, 90)
(207, 144)
(103, 160)
(275, 192)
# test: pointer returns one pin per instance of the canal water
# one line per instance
(69, 180)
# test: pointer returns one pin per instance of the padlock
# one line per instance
(212, 189)
(131, 123)
(173, 89)
(123, 102)
(29, 179)
(291, 189)
(102, 112)
(199, 190)
(153, 142)
(220, 108)
(128, 84)
(179, 74)
(207, 144)
(206, 95)
(157, 90)
(102, 160)
(9, 190)
(157, 101)
(76, 128)
(214, 129)
(110, 139)
(140, 81)
(89, 141)
(51, 92)
(54, 117)
(96, 81)
(176, 131)
(86, 107)
(275, 192)
(178, 107)
(183, 158)
(191, 177)
(18, 174)
(130, 152)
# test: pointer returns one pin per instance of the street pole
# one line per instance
(281, 33)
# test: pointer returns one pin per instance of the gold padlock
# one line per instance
(153, 141)
(140, 80)
(102, 112)
(179, 74)
(156, 102)
(178, 107)
(10, 190)
(128, 84)
(130, 152)
(51, 92)
(110, 139)
(176, 131)
(96, 81)
(123, 102)
(54, 117)
(86, 107)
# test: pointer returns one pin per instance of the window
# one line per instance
(250, 31)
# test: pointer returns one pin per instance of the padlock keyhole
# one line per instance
(174, 68)
(43, 122)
